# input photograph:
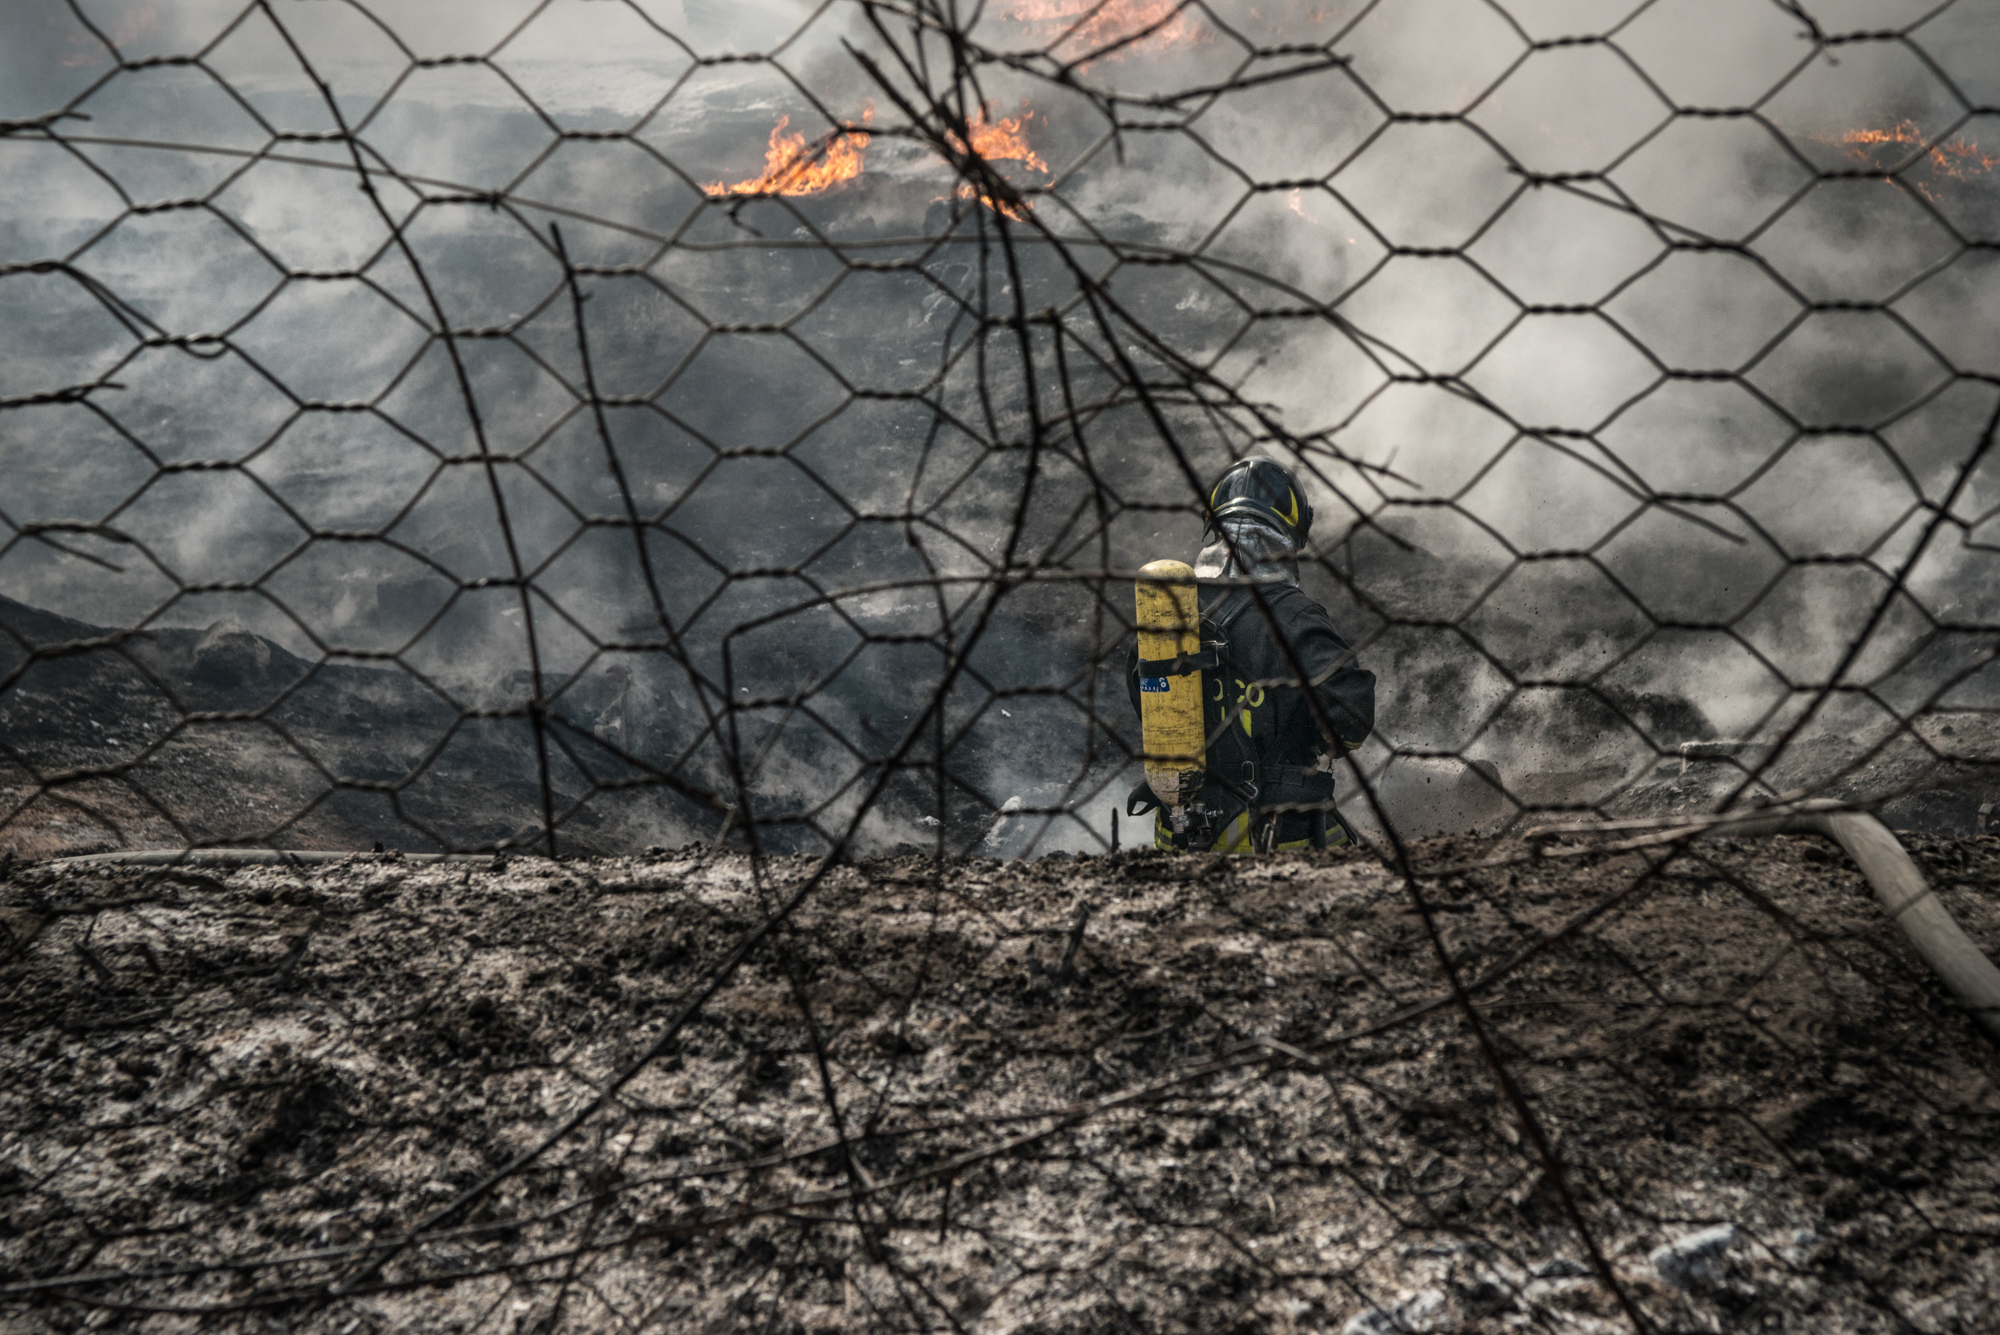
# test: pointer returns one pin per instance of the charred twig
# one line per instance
(1065, 970)
(97, 965)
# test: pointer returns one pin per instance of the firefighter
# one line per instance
(1266, 780)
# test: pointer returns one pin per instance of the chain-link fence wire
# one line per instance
(431, 429)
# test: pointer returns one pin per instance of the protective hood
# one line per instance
(1249, 548)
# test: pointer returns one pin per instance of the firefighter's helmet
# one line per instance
(1262, 487)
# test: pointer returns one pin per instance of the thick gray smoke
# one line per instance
(1584, 376)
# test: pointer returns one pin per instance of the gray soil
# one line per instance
(1712, 1093)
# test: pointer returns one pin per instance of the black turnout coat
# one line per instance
(1267, 755)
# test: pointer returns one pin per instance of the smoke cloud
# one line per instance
(1584, 357)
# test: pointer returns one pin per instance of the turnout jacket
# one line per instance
(1267, 755)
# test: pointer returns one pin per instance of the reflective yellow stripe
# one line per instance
(1235, 837)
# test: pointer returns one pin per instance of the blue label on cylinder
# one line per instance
(1152, 683)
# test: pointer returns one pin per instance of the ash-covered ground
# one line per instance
(1252, 1104)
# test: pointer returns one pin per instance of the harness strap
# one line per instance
(1228, 608)
(1276, 786)
(1181, 664)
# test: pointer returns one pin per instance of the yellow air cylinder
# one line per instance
(1170, 719)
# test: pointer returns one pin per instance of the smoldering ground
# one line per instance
(1566, 324)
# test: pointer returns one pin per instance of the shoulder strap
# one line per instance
(1239, 599)
(1227, 609)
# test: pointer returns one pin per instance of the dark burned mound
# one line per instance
(168, 736)
(1251, 1104)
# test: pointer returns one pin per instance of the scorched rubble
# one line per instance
(1261, 1109)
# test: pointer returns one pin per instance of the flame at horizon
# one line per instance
(1003, 140)
(793, 168)
(1956, 159)
(1089, 25)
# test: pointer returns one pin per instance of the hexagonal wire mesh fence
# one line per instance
(427, 427)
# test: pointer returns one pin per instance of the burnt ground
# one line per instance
(1252, 1105)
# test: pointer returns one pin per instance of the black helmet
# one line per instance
(1262, 487)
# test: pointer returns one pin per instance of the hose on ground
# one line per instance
(1904, 894)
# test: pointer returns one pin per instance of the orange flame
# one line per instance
(1956, 159)
(790, 168)
(1087, 25)
(1018, 212)
(1003, 140)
